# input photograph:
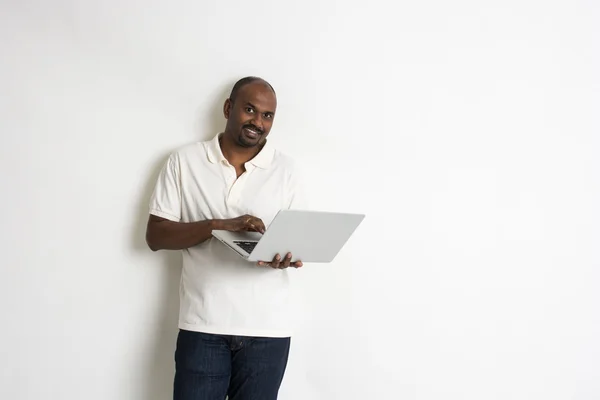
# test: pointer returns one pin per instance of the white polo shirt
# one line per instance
(220, 292)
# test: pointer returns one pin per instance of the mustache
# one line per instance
(254, 128)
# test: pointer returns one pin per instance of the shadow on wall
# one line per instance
(158, 365)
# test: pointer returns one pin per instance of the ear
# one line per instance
(227, 108)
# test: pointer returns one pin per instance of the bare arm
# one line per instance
(162, 234)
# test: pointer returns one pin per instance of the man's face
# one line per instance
(250, 116)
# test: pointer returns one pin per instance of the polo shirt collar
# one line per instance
(263, 159)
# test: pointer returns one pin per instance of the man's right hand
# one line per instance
(244, 223)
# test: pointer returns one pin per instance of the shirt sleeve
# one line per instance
(165, 201)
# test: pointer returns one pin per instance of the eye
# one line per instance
(249, 110)
(268, 116)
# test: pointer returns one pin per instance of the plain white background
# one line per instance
(467, 132)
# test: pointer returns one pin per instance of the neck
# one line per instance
(234, 153)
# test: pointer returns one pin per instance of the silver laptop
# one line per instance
(311, 236)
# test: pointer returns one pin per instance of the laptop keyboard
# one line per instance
(247, 246)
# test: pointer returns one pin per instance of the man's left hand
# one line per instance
(278, 263)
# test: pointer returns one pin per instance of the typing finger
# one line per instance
(260, 226)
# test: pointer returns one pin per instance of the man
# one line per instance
(234, 335)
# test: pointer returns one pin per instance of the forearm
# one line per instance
(169, 235)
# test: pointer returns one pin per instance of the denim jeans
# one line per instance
(210, 367)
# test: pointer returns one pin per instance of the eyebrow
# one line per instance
(256, 108)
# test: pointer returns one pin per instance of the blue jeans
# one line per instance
(210, 367)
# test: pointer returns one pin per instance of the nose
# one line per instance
(258, 121)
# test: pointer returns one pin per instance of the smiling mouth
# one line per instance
(251, 132)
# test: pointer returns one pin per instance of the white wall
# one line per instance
(466, 131)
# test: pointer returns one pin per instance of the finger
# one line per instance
(265, 264)
(260, 226)
(276, 261)
(286, 261)
(298, 264)
(253, 224)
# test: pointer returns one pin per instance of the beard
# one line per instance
(250, 136)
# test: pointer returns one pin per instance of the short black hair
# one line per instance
(244, 81)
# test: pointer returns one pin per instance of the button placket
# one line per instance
(229, 176)
(236, 188)
(238, 185)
